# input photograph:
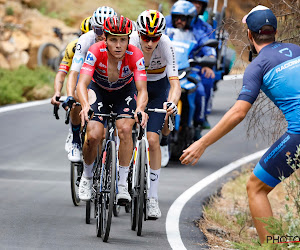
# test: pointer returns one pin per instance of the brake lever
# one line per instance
(56, 108)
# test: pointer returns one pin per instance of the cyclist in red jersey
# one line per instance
(117, 71)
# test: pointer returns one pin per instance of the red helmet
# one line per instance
(118, 25)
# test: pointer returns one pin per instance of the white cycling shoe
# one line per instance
(123, 196)
(164, 155)
(153, 211)
(85, 188)
(74, 154)
(69, 140)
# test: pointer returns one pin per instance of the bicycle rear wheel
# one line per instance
(141, 188)
(108, 190)
(76, 172)
(48, 54)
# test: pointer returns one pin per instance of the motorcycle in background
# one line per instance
(182, 135)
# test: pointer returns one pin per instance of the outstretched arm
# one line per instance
(232, 118)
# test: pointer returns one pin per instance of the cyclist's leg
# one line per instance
(94, 137)
(158, 92)
(124, 103)
(266, 176)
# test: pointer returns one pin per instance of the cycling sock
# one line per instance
(76, 134)
(87, 170)
(154, 179)
(164, 140)
(123, 174)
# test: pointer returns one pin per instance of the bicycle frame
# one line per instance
(135, 153)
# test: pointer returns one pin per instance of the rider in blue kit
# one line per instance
(202, 32)
(275, 71)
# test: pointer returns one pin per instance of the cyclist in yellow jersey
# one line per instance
(64, 68)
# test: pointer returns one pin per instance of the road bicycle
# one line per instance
(49, 54)
(139, 177)
(76, 168)
(105, 178)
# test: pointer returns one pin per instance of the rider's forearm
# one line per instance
(59, 82)
(142, 100)
(175, 91)
(71, 83)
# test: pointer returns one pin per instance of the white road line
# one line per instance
(173, 216)
(24, 105)
(233, 77)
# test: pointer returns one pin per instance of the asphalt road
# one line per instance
(36, 211)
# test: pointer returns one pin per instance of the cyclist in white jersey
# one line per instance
(163, 89)
(83, 44)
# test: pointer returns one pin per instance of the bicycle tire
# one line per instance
(141, 192)
(116, 210)
(108, 198)
(133, 192)
(88, 212)
(76, 172)
(47, 55)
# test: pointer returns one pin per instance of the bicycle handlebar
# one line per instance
(56, 108)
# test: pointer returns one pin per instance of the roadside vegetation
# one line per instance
(227, 221)
(25, 84)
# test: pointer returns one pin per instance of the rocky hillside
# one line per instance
(26, 24)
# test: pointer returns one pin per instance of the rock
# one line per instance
(3, 62)
(10, 19)
(15, 6)
(6, 47)
(20, 40)
(17, 59)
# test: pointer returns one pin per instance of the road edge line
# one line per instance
(173, 216)
(24, 105)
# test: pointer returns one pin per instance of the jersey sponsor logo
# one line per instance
(140, 64)
(78, 47)
(287, 65)
(64, 62)
(126, 110)
(78, 60)
(128, 100)
(86, 68)
(289, 54)
(125, 71)
(102, 50)
(90, 59)
(102, 71)
(100, 105)
(100, 118)
(143, 75)
(277, 149)
(129, 52)
(156, 63)
(102, 65)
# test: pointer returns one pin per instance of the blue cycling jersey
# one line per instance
(276, 71)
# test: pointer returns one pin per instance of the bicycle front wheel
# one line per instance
(108, 190)
(47, 55)
(76, 172)
(141, 188)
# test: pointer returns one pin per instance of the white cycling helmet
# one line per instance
(151, 23)
(101, 14)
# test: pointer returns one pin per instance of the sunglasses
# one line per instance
(147, 39)
(98, 31)
(182, 18)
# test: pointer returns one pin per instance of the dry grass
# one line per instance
(227, 218)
